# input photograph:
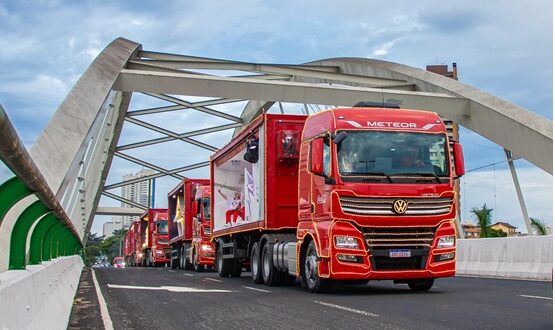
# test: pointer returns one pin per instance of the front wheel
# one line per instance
(314, 283)
(196, 266)
(422, 285)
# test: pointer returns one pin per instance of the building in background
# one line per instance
(109, 227)
(470, 230)
(505, 227)
(137, 192)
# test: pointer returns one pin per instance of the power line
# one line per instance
(492, 164)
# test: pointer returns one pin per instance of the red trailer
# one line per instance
(352, 194)
(190, 231)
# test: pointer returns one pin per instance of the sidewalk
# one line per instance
(85, 313)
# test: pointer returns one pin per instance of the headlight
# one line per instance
(346, 242)
(206, 248)
(446, 242)
(140, 254)
(123, 264)
(159, 252)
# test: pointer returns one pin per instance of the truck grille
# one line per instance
(399, 238)
(384, 206)
(381, 240)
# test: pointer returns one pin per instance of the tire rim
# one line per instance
(254, 263)
(310, 268)
(266, 265)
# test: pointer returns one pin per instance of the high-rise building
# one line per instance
(137, 192)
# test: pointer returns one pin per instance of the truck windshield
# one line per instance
(206, 206)
(393, 154)
(162, 227)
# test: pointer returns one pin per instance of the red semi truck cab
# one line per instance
(154, 237)
(190, 229)
(350, 194)
(377, 197)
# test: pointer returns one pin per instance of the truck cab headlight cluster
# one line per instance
(159, 252)
(446, 242)
(206, 248)
(346, 242)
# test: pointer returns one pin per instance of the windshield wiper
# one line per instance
(426, 174)
(381, 174)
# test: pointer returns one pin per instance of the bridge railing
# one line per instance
(32, 221)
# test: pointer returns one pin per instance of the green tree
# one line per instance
(112, 246)
(538, 226)
(496, 233)
(92, 250)
(483, 216)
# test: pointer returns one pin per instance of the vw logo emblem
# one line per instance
(400, 206)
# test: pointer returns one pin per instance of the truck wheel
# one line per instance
(256, 269)
(237, 268)
(421, 285)
(181, 258)
(271, 275)
(314, 283)
(223, 266)
(174, 263)
(196, 266)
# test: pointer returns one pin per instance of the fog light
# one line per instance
(446, 242)
(346, 242)
(444, 256)
(349, 258)
(159, 252)
(140, 254)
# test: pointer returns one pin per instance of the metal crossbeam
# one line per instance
(124, 200)
(179, 136)
(147, 164)
(170, 134)
(190, 105)
(150, 111)
(157, 175)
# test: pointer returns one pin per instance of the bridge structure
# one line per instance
(48, 207)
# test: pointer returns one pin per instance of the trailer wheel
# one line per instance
(174, 263)
(256, 268)
(314, 283)
(271, 275)
(237, 268)
(182, 258)
(196, 266)
(223, 266)
(421, 285)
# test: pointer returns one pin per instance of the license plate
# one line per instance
(404, 253)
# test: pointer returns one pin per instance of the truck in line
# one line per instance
(189, 229)
(152, 241)
(131, 244)
(349, 194)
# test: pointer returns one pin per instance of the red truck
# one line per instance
(190, 231)
(153, 248)
(349, 195)
(131, 244)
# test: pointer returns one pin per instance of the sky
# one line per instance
(502, 47)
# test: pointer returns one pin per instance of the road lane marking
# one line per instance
(536, 297)
(167, 288)
(187, 274)
(108, 325)
(347, 309)
(213, 280)
(255, 289)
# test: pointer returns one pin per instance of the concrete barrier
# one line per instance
(40, 297)
(527, 258)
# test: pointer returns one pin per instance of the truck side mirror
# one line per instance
(339, 137)
(317, 157)
(459, 159)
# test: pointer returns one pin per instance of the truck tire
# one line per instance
(271, 275)
(187, 263)
(421, 285)
(174, 263)
(196, 266)
(223, 266)
(256, 269)
(237, 268)
(309, 269)
(181, 258)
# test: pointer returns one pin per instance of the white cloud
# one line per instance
(384, 49)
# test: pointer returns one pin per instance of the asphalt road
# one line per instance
(160, 298)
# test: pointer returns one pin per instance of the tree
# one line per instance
(92, 249)
(496, 233)
(538, 226)
(483, 216)
(110, 247)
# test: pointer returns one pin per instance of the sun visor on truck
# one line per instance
(251, 154)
